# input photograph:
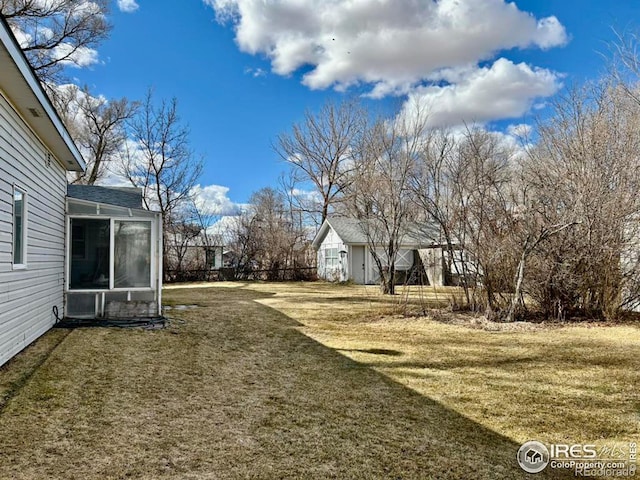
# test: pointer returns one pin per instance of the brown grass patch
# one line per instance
(553, 382)
(235, 390)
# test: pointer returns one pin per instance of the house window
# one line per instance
(330, 257)
(19, 228)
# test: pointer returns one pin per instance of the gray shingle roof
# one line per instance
(128, 197)
(351, 231)
(348, 229)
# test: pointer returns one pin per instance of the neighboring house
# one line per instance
(207, 251)
(194, 253)
(36, 152)
(344, 253)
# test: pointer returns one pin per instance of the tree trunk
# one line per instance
(515, 300)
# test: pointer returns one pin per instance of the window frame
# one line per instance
(22, 264)
(112, 253)
(210, 258)
(328, 255)
(79, 253)
(111, 286)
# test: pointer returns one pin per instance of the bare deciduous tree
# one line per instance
(379, 196)
(56, 33)
(158, 159)
(97, 126)
(588, 164)
(320, 151)
(266, 240)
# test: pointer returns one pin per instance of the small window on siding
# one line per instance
(331, 257)
(19, 228)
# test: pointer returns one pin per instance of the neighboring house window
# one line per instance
(19, 227)
(331, 257)
(211, 257)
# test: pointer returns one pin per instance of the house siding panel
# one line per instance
(27, 296)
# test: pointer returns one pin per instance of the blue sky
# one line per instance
(241, 82)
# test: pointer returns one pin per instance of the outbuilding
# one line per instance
(344, 253)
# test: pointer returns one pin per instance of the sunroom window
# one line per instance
(90, 254)
(132, 262)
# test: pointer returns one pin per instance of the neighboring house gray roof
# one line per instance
(352, 231)
(199, 241)
(348, 229)
(128, 197)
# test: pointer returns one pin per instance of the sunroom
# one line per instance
(114, 255)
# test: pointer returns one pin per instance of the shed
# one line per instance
(344, 252)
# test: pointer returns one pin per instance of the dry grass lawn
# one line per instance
(554, 383)
(308, 381)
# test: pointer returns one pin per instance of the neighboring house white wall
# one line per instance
(201, 257)
(358, 265)
(432, 259)
(27, 295)
(329, 262)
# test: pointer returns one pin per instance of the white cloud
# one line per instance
(75, 56)
(503, 90)
(378, 43)
(213, 200)
(128, 6)
(24, 39)
(255, 72)
(429, 49)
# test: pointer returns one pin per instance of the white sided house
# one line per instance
(344, 253)
(92, 253)
(36, 152)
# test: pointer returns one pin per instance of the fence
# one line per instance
(232, 274)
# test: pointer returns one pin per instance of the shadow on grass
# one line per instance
(361, 423)
(235, 390)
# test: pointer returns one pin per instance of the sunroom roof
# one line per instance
(79, 207)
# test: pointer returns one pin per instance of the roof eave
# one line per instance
(317, 240)
(25, 93)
